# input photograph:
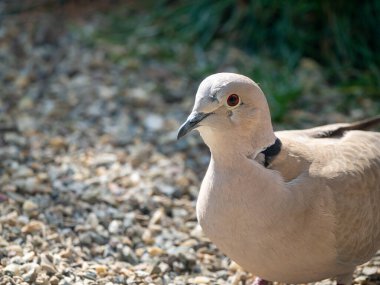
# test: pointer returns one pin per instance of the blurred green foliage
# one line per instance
(342, 36)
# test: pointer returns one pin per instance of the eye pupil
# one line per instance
(233, 100)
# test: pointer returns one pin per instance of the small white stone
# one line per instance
(107, 92)
(166, 189)
(22, 172)
(200, 280)
(139, 95)
(114, 227)
(369, 270)
(141, 273)
(29, 207)
(92, 220)
(154, 122)
(12, 268)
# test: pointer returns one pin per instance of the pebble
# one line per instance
(28, 256)
(200, 280)
(101, 270)
(92, 220)
(47, 263)
(31, 272)
(370, 270)
(128, 255)
(236, 278)
(234, 267)
(164, 267)
(30, 185)
(42, 280)
(107, 92)
(23, 172)
(155, 251)
(57, 142)
(33, 226)
(104, 159)
(139, 96)
(153, 122)
(156, 217)
(140, 251)
(12, 269)
(65, 281)
(166, 189)
(85, 238)
(90, 275)
(141, 273)
(14, 249)
(154, 269)
(14, 196)
(9, 188)
(54, 280)
(115, 226)
(147, 237)
(16, 139)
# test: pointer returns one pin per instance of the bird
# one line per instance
(293, 206)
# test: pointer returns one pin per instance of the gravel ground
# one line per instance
(94, 188)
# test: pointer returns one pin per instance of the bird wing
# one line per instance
(337, 130)
(356, 187)
(298, 146)
(345, 160)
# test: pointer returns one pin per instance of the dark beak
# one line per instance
(191, 123)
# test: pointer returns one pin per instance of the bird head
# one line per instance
(230, 108)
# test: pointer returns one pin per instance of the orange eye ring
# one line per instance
(233, 100)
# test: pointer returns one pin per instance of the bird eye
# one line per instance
(233, 100)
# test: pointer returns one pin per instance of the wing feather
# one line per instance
(346, 161)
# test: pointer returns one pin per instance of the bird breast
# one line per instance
(268, 235)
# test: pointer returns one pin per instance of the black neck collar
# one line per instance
(271, 151)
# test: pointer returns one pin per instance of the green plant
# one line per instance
(343, 36)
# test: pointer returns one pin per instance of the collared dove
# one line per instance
(290, 206)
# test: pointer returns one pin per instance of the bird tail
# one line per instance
(340, 130)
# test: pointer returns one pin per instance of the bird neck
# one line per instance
(227, 145)
(244, 135)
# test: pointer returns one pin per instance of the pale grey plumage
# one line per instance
(313, 213)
